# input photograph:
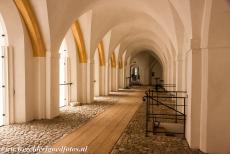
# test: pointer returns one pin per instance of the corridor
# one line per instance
(64, 63)
(101, 133)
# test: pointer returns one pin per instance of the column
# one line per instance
(90, 82)
(121, 77)
(193, 58)
(52, 85)
(106, 78)
(102, 81)
(180, 75)
(39, 86)
(215, 108)
(127, 75)
(82, 83)
(116, 78)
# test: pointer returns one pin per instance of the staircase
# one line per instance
(165, 111)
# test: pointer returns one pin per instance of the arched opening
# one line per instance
(134, 74)
(64, 75)
(3, 72)
(145, 69)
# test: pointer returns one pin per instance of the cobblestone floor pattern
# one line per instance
(133, 140)
(45, 132)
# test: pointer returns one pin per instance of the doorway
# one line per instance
(64, 84)
(2, 74)
(134, 75)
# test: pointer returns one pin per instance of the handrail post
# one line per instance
(176, 106)
(155, 99)
(184, 117)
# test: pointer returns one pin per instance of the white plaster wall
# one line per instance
(194, 58)
(158, 71)
(43, 21)
(217, 108)
(85, 22)
(106, 43)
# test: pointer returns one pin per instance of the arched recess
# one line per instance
(160, 52)
(79, 63)
(162, 59)
(77, 56)
(74, 66)
(99, 62)
(143, 44)
(146, 60)
(171, 67)
(17, 50)
(151, 50)
(30, 20)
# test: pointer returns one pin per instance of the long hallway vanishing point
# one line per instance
(69, 65)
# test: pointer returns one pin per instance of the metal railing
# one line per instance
(164, 87)
(165, 107)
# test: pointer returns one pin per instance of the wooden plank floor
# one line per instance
(102, 132)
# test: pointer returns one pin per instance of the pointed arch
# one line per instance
(31, 22)
(113, 60)
(101, 53)
(78, 37)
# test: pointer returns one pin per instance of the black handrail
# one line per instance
(150, 98)
(173, 91)
(69, 83)
(167, 105)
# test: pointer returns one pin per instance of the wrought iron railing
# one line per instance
(165, 107)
